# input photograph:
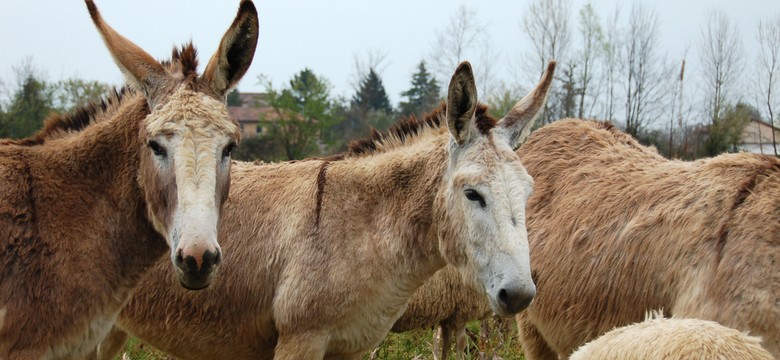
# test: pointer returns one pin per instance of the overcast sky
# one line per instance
(322, 35)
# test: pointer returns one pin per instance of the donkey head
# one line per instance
(187, 138)
(482, 202)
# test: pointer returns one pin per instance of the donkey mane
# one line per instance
(410, 127)
(58, 125)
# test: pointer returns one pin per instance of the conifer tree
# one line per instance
(372, 94)
(423, 96)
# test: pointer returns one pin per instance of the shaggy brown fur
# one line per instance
(616, 230)
(57, 279)
(673, 339)
(298, 285)
(77, 211)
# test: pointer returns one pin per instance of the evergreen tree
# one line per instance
(423, 96)
(372, 95)
(725, 134)
(28, 108)
(234, 98)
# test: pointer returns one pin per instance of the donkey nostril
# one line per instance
(503, 297)
(179, 259)
(218, 258)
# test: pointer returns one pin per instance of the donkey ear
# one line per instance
(517, 123)
(461, 102)
(235, 51)
(141, 70)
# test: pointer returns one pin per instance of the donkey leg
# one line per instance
(446, 340)
(300, 346)
(437, 344)
(460, 342)
(534, 345)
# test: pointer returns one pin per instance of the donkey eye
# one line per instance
(228, 149)
(156, 148)
(473, 195)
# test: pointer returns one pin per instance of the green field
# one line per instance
(416, 345)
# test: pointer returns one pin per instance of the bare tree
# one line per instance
(547, 25)
(592, 39)
(362, 64)
(612, 47)
(769, 66)
(676, 108)
(485, 70)
(720, 55)
(464, 38)
(646, 72)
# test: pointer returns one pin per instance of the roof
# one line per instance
(253, 114)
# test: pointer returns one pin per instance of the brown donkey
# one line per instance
(325, 253)
(88, 203)
(616, 230)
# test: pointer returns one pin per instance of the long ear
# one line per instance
(518, 121)
(141, 70)
(235, 52)
(461, 103)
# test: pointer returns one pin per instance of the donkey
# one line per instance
(616, 230)
(88, 204)
(326, 253)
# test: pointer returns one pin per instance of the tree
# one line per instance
(72, 93)
(769, 68)
(29, 102)
(370, 60)
(721, 54)
(500, 104)
(301, 111)
(592, 39)
(372, 95)
(423, 96)
(568, 92)
(547, 25)
(464, 38)
(646, 73)
(369, 108)
(29, 106)
(611, 50)
(725, 134)
(234, 98)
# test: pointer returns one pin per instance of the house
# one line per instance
(757, 137)
(253, 108)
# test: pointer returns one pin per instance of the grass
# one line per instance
(413, 345)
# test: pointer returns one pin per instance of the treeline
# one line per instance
(614, 68)
(307, 120)
(611, 67)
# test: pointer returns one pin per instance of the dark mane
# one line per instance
(58, 124)
(410, 126)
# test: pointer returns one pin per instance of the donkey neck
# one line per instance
(95, 173)
(391, 195)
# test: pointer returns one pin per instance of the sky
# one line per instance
(325, 36)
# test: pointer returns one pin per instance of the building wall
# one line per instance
(751, 141)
